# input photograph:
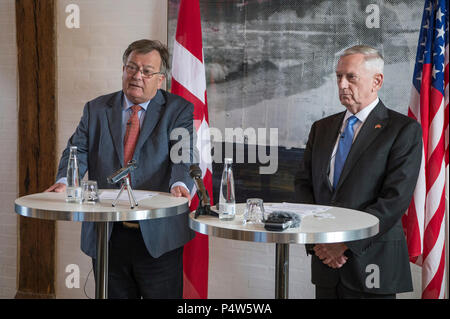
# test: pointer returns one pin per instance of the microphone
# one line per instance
(204, 201)
(196, 174)
(118, 175)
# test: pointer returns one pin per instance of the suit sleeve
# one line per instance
(398, 186)
(182, 146)
(303, 179)
(80, 139)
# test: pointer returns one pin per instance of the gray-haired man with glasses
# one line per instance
(146, 257)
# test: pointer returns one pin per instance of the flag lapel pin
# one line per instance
(378, 126)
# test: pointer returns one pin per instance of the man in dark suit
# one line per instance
(366, 158)
(146, 257)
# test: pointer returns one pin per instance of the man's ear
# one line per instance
(161, 78)
(378, 81)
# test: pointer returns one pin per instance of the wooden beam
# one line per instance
(36, 48)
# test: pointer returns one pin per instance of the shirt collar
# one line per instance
(364, 113)
(127, 104)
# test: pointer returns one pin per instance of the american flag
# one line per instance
(188, 81)
(426, 220)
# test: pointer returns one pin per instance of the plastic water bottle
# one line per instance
(73, 190)
(227, 202)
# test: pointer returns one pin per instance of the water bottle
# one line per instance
(73, 190)
(227, 202)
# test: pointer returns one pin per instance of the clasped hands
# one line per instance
(331, 255)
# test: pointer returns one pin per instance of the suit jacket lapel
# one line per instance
(151, 119)
(375, 123)
(114, 115)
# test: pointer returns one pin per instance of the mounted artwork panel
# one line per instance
(270, 64)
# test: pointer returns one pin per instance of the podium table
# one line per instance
(343, 225)
(53, 206)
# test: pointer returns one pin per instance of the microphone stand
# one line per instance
(202, 209)
(123, 176)
(126, 184)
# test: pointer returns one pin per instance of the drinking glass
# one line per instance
(90, 192)
(254, 211)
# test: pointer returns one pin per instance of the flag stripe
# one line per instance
(412, 228)
(435, 268)
(189, 29)
(204, 149)
(433, 227)
(436, 124)
(189, 71)
(198, 105)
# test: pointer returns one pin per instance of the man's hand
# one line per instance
(331, 254)
(58, 188)
(180, 191)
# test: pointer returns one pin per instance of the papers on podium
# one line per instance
(302, 210)
(112, 195)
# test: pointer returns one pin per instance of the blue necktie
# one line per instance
(345, 143)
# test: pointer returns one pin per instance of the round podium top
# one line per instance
(344, 225)
(53, 206)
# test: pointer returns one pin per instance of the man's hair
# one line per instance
(145, 46)
(373, 59)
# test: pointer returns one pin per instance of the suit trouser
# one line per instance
(134, 273)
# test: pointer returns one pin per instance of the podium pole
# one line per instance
(282, 271)
(101, 280)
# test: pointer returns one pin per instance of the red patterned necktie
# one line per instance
(131, 134)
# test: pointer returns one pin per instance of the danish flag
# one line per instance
(188, 81)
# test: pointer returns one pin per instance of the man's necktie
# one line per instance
(131, 134)
(345, 143)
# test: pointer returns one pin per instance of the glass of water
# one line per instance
(90, 192)
(254, 211)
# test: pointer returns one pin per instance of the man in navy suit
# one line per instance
(366, 158)
(146, 257)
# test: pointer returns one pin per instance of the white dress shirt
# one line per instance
(362, 116)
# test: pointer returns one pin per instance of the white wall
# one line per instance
(89, 65)
(8, 145)
(247, 270)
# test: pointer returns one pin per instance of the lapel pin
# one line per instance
(378, 126)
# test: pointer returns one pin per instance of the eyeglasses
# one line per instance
(146, 73)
